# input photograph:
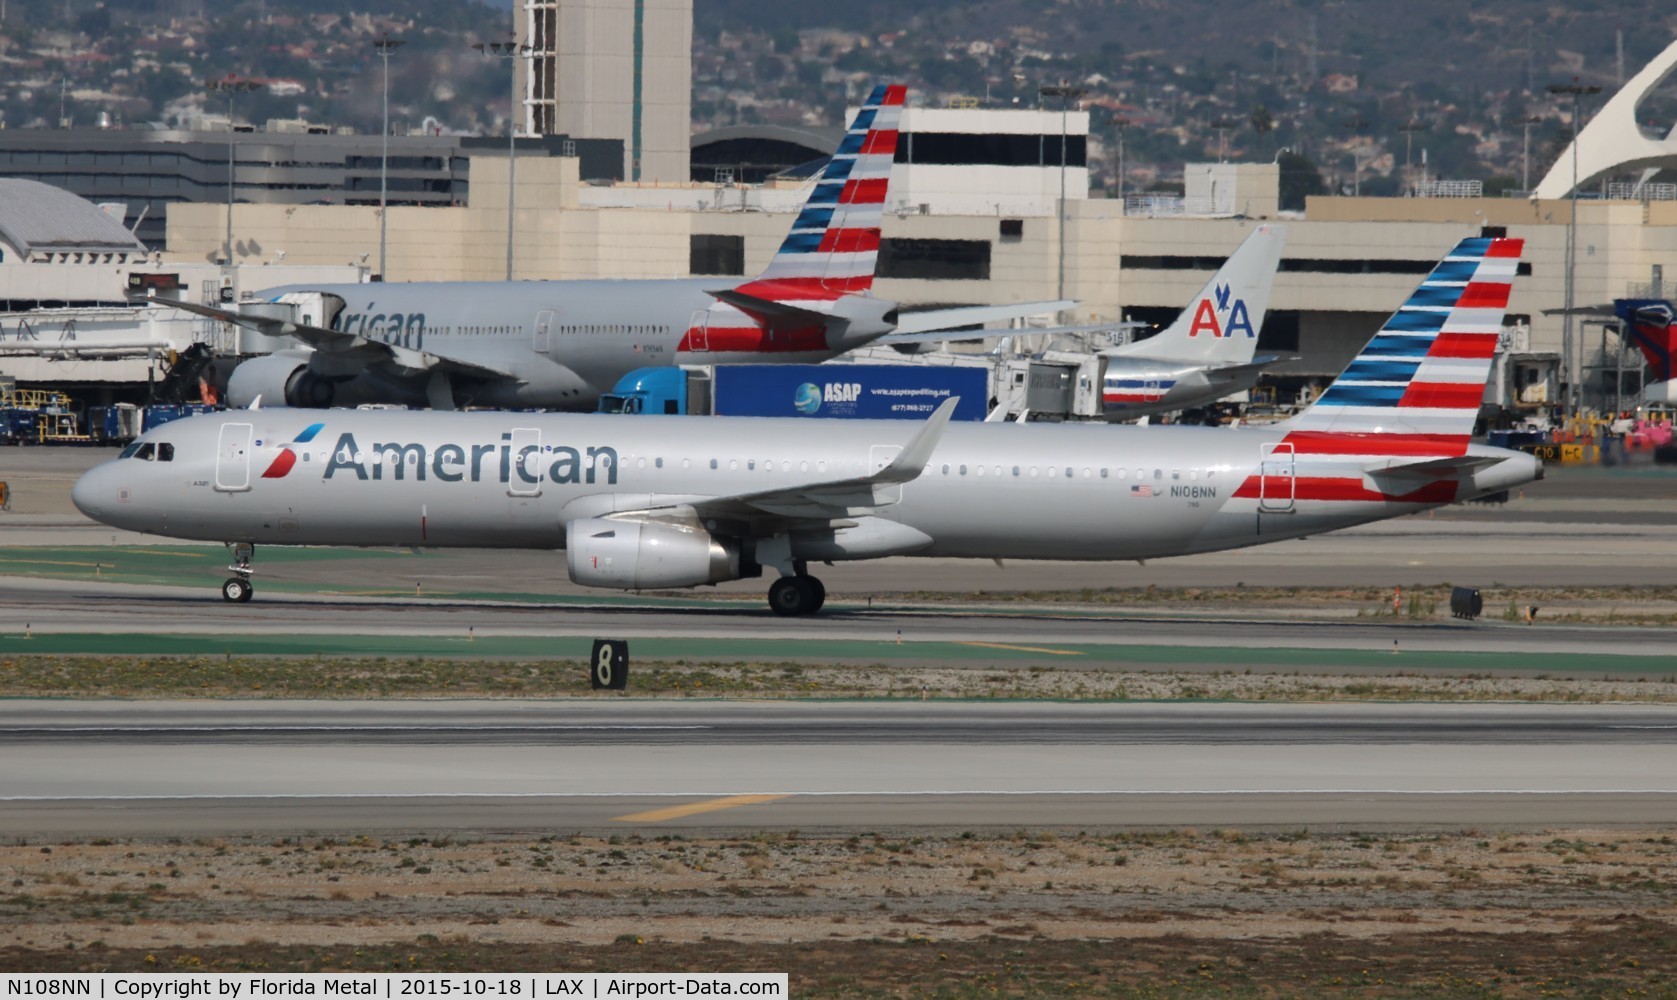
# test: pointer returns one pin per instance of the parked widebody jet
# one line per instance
(686, 501)
(1210, 351)
(559, 344)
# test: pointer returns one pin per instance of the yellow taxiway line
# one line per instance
(694, 808)
(1025, 649)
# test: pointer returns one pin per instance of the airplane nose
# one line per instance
(87, 495)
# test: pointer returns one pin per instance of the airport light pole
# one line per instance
(1409, 129)
(1525, 157)
(1222, 125)
(1066, 94)
(231, 86)
(509, 51)
(1356, 125)
(384, 45)
(1570, 345)
(1120, 123)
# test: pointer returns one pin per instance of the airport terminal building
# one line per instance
(975, 215)
(979, 226)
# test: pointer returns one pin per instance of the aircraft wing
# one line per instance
(821, 502)
(343, 346)
(948, 319)
(770, 312)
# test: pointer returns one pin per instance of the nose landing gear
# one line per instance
(237, 589)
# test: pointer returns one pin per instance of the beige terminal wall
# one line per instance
(552, 237)
(558, 238)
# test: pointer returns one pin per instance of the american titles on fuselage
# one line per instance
(454, 463)
(409, 330)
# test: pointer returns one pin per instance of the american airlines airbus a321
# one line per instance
(683, 501)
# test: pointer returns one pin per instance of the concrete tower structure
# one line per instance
(1613, 141)
(614, 69)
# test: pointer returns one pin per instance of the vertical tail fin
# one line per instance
(834, 243)
(1649, 325)
(1221, 323)
(1424, 373)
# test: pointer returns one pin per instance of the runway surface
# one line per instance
(112, 768)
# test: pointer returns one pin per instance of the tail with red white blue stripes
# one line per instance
(834, 243)
(812, 302)
(1392, 432)
(1423, 375)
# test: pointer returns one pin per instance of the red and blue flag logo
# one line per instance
(287, 457)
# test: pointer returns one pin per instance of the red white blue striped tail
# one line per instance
(1423, 376)
(834, 243)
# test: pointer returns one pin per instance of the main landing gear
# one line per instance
(796, 593)
(237, 589)
(800, 594)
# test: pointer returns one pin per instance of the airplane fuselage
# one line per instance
(1140, 386)
(516, 480)
(568, 341)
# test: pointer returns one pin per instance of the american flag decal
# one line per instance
(1141, 491)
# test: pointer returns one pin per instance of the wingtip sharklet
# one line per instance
(911, 461)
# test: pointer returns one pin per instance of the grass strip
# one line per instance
(226, 675)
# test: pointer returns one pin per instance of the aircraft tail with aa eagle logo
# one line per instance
(1221, 323)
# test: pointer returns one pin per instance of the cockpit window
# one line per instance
(165, 451)
(129, 451)
(148, 451)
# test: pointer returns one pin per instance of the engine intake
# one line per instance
(280, 379)
(637, 555)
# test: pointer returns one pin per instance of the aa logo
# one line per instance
(287, 458)
(1223, 320)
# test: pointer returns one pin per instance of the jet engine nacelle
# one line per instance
(637, 555)
(280, 379)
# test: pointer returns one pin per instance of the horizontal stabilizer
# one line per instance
(1231, 373)
(1596, 311)
(770, 312)
(1432, 468)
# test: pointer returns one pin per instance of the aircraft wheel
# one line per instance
(820, 591)
(792, 596)
(236, 590)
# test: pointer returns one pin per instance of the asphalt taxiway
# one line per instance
(227, 767)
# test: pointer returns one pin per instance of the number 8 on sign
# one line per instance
(610, 667)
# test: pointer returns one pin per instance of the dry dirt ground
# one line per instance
(1025, 913)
